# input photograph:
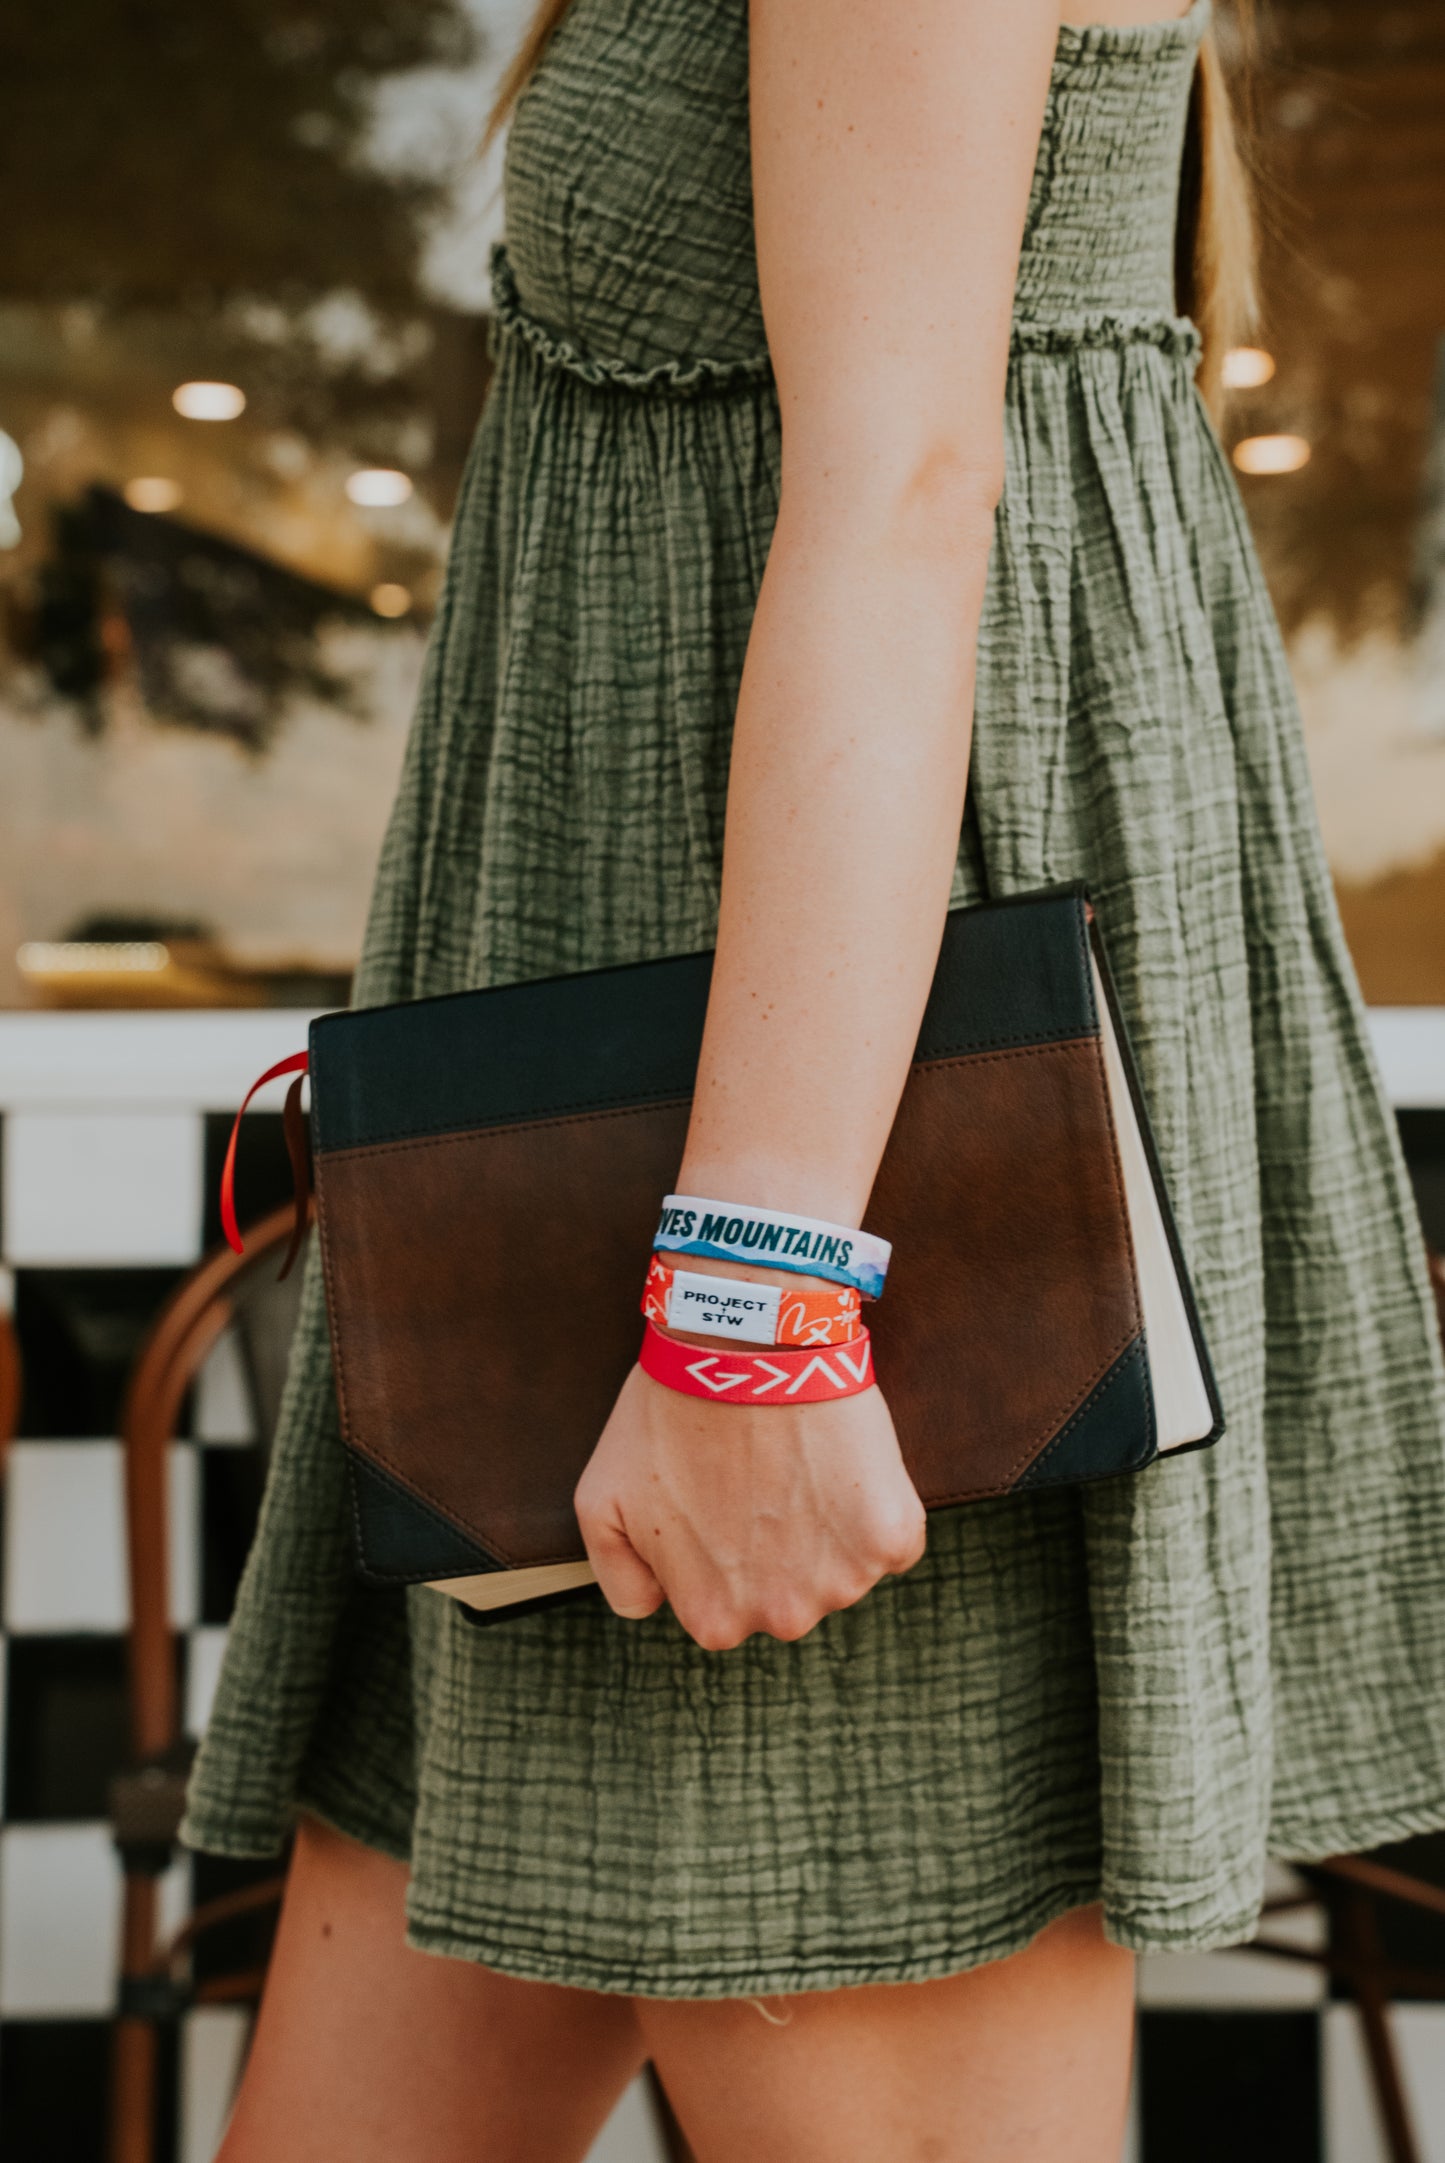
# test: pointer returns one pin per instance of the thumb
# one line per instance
(628, 1585)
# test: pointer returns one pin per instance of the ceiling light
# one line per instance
(390, 600)
(149, 492)
(378, 488)
(1246, 367)
(1271, 454)
(209, 401)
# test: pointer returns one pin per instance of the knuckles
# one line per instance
(714, 1632)
(788, 1620)
(593, 1514)
(900, 1545)
(722, 1627)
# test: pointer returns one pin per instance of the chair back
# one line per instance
(225, 1291)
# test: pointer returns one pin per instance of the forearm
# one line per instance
(846, 790)
(892, 159)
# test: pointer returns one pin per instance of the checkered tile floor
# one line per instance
(103, 1206)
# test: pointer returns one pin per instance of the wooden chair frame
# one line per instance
(147, 1800)
(1350, 1890)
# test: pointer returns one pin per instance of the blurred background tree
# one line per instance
(160, 153)
(214, 191)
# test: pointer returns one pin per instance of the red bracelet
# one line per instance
(780, 1377)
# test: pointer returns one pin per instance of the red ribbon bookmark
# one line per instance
(297, 1064)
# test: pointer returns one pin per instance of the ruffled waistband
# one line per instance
(1174, 336)
(679, 378)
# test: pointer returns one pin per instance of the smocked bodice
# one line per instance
(629, 224)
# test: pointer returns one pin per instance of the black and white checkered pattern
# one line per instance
(111, 1131)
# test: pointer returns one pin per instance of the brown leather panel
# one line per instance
(422, 1242)
(1011, 1291)
(1012, 1286)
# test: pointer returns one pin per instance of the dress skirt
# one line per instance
(1129, 1694)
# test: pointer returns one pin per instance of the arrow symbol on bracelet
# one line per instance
(779, 1374)
(861, 1369)
(715, 1382)
(814, 1366)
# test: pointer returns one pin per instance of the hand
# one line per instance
(742, 1519)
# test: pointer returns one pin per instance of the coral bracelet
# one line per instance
(749, 1312)
(776, 1377)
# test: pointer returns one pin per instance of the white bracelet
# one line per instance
(730, 1232)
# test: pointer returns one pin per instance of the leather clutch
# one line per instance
(488, 1171)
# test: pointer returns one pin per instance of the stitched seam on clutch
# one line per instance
(376, 1456)
(1029, 1041)
(385, 1577)
(590, 1107)
(1139, 1351)
(394, 1577)
(434, 1140)
(1095, 1389)
(1121, 1205)
(1050, 1429)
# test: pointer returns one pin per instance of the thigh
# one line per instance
(367, 2050)
(1023, 2061)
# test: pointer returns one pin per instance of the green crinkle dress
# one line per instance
(1129, 1694)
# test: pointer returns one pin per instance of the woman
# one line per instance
(885, 300)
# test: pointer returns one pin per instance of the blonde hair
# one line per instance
(1214, 249)
(523, 65)
(1215, 244)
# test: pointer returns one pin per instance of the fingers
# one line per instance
(719, 1614)
(720, 1624)
(628, 1585)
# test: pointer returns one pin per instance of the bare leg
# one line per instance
(1024, 2061)
(370, 2052)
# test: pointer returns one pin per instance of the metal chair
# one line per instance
(155, 1986)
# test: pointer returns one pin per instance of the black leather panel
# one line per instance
(1112, 1431)
(631, 1035)
(1011, 973)
(399, 1540)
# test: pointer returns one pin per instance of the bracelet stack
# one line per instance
(820, 1347)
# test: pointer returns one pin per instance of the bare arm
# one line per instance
(892, 151)
(892, 154)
